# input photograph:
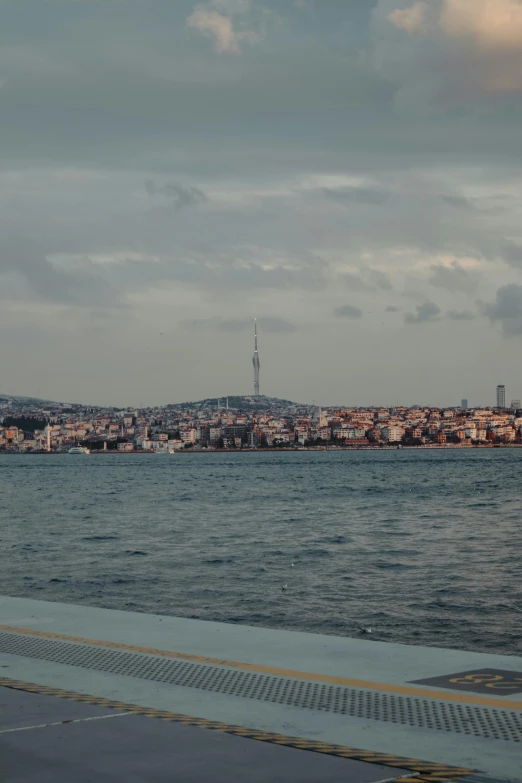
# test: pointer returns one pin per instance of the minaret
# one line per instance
(255, 362)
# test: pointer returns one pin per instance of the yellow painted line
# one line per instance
(431, 772)
(407, 690)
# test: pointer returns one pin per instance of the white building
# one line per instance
(393, 433)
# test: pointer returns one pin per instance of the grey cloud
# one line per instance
(200, 323)
(507, 309)
(29, 273)
(428, 311)
(355, 282)
(380, 280)
(452, 278)
(266, 324)
(179, 196)
(151, 99)
(276, 325)
(233, 325)
(367, 280)
(224, 274)
(347, 311)
(460, 315)
(459, 202)
(359, 195)
(392, 309)
(511, 252)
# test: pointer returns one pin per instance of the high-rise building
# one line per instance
(501, 396)
(464, 404)
(515, 405)
(255, 362)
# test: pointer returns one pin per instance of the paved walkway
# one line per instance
(45, 739)
(440, 714)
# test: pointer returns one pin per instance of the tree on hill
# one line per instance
(25, 423)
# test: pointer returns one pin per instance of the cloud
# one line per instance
(507, 309)
(511, 252)
(490, 24)
(230, 23)
(248, 268)
(428, 311)
(452, 278)
(267, 324)
(393, 309)
(360, 195)
(450, 49)
(412, 19)
(217, 26)
(276, 325)
(27, 274)
(179, 196)
(458, 202)
(460, 315)
(304, 5)
(367, 280)
(347, 311)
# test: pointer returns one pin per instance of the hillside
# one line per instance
(242, 402)
(234, 401)
(18, 401)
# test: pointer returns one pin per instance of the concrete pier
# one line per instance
(89, 693)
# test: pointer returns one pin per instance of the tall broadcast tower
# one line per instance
(255, 362)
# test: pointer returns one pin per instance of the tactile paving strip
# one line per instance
(489, 723)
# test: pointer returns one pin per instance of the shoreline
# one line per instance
(427, 447)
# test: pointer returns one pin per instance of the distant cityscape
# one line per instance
(251, 422)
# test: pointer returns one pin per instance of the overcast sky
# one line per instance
(348, 171)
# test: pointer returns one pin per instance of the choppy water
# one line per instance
(424, 547)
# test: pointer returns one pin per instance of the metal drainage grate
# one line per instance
(498, 724)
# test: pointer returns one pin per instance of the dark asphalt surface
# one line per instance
(105, 746)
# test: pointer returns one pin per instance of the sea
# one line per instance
(423, 547)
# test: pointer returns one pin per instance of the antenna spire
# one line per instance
(255, 362)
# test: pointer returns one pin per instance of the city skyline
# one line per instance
(171, 169)
(35, 427)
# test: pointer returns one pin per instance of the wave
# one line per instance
(100, 538)
(218, 561)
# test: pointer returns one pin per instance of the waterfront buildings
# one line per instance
(250, 422)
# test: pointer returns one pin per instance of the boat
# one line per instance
(78, 450)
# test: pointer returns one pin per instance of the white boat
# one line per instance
(78, 450)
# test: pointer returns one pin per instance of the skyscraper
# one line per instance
(501, 396)
(464, 404)
(255, 362)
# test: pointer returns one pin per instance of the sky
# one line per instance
(347, 171)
